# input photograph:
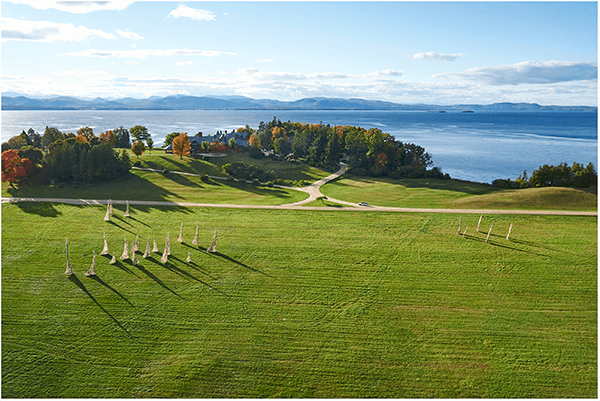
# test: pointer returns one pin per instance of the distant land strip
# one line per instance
(181, 102)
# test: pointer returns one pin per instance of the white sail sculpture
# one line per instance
(489, 232)
(92, 271)
(466, 228)
(459, 225)
(135, 245)
(113, 260)
(213, 246)
(69, 267)
(168, 244)
(110, 209)
(479, 222)
(509, 230)
(127, 210)
(125, 254)
(155, 247)
(134, 259)
(189, 258)
(195, 241)
(147, 251)
(165, 256)
(105, 249)
(107, 215)
(180, 238)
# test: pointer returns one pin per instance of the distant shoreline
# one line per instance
(183, 103)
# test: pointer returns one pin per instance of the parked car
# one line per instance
(363, 204)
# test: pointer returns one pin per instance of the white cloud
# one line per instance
(268, 60)
(129, 35)
(144, 53)
(432, 56)
(182, 63)
(78, 73)
(293, 86)
(193, 13)
(386, 73)
(44, 31)
(75, 7)
(528, 72)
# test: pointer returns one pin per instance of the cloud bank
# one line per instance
(528, 72)
(145, 53)
(193, 13)
(431, 56)
(76, 7)
(48, 32)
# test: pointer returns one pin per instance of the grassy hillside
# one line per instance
(433, 193)
(151, 186)
(298, 304)
(212, 166)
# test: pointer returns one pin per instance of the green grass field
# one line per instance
(152, 186)
(298, 304)
(434, 193)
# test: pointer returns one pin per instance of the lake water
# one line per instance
(480, 146)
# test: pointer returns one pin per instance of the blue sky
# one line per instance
(418, 52)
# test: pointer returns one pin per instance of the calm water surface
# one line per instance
(479, 146)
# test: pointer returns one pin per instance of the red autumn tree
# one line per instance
(15, 169)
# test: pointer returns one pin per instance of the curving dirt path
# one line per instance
(313, 191)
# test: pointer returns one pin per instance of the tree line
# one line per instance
(369, 152)
(62, 157)
(561, 175)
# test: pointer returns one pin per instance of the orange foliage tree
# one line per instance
(15, 169)
(108, 137)
(181, 145)
(138, 148)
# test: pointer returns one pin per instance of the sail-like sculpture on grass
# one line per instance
(105, 249)
(135, 245)
(69, 267)
(213, 246)
(180, 238)
(147, 251)
(125, 254)
(92, 271)
(107, 215)
(195, 241)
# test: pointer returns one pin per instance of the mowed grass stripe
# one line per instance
(299, 304)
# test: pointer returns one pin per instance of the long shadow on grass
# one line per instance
(183, 273)
(536, 245)
(44, 209)
(100, 281)
(477, 239)
(121, 266)
(116, 225)
(237, 262)
(171, 267)
(136, 220)
(73, 278)
(153, 277)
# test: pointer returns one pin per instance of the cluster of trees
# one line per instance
(249, 172)
(561, 175)
(369, 152)
(81, 157)
(70, 160)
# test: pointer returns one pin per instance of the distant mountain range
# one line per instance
(181, 102)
